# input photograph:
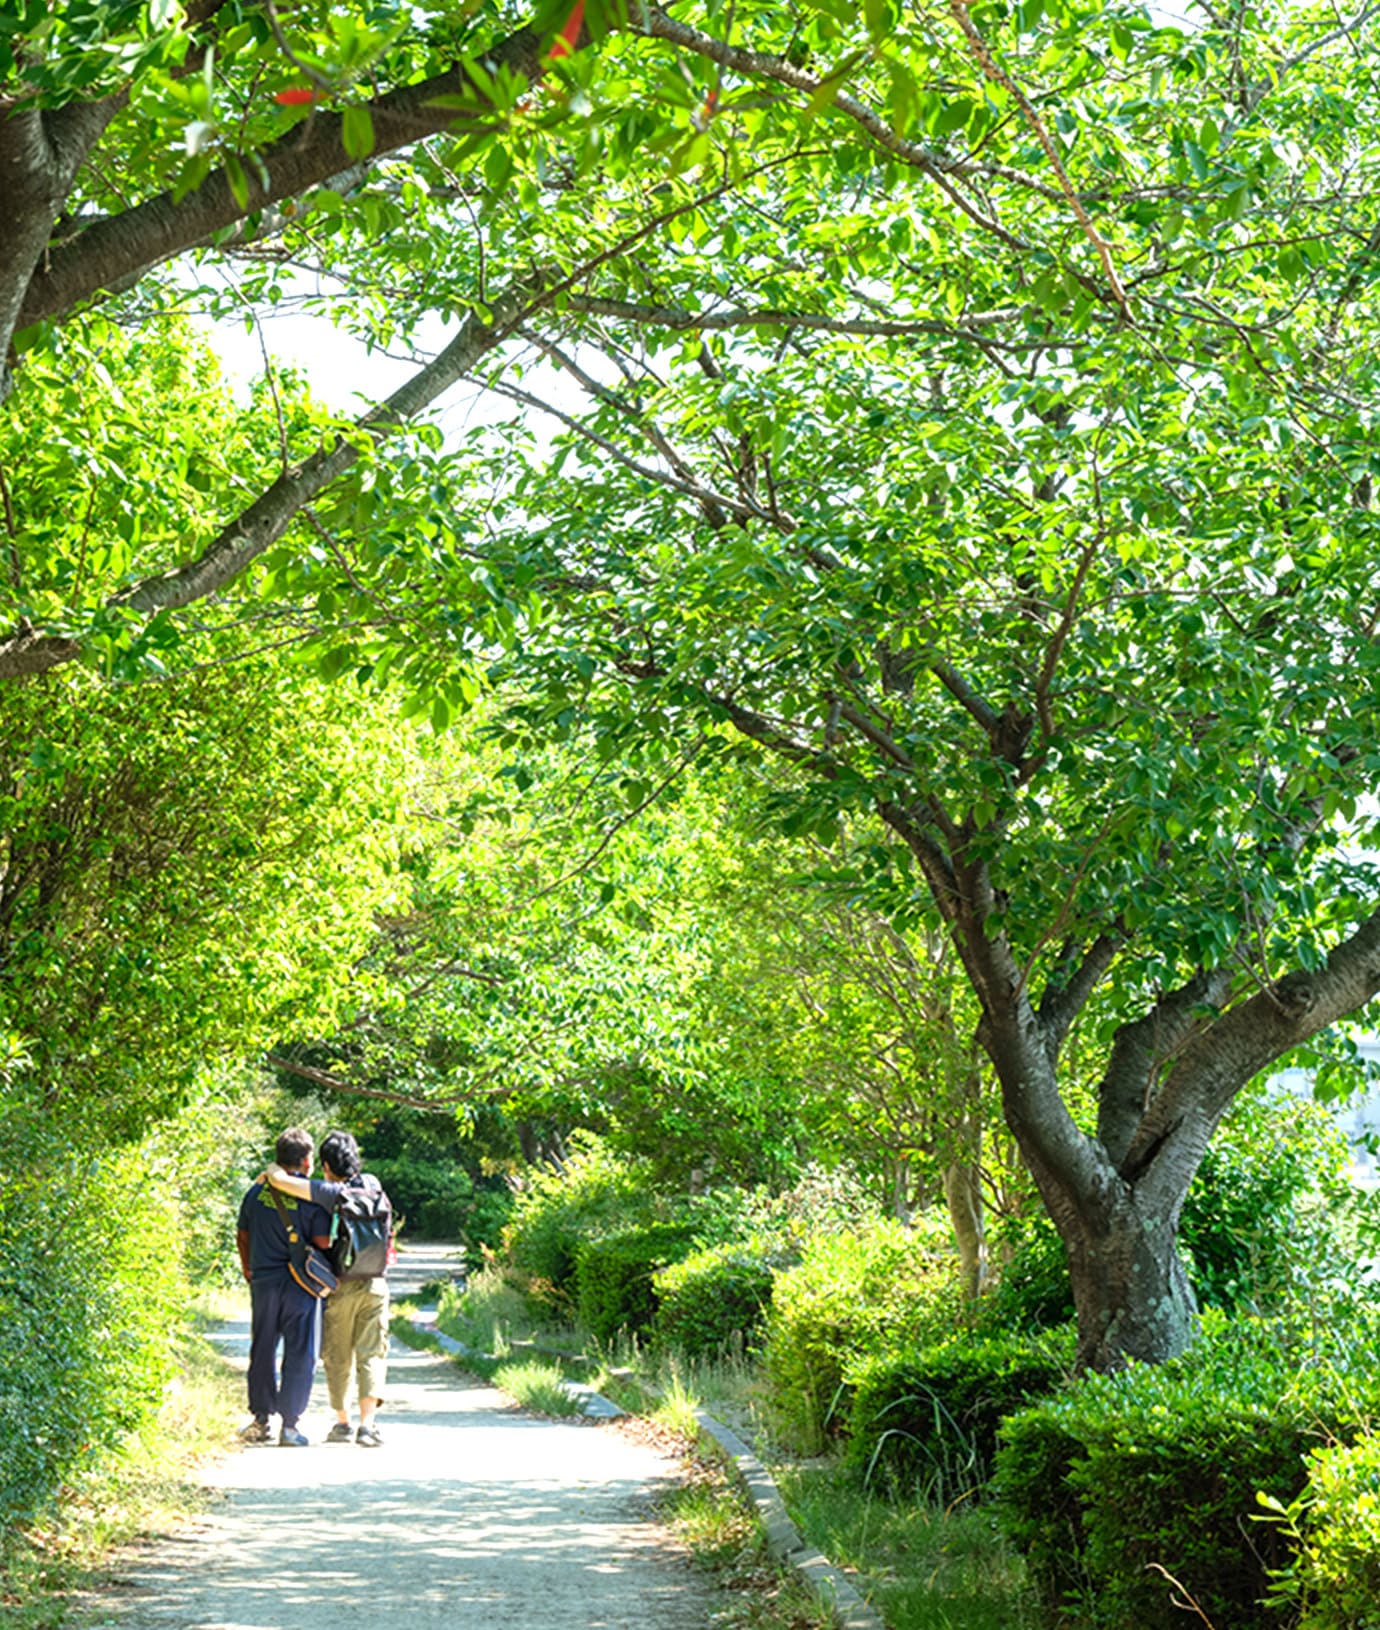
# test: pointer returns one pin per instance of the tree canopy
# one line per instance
(970, 407)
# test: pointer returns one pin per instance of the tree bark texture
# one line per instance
(1130, 1290)
(1116, 1195)
(963, 1194)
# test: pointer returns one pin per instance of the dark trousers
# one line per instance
(282, 1312)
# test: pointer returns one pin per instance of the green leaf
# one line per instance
(357, 131)
(237, 180)
(832, 83)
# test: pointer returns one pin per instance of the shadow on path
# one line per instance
(471, 1513)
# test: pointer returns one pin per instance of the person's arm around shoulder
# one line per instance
(301, 1189)
(288, 1183)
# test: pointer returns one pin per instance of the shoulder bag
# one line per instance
(306, 1264)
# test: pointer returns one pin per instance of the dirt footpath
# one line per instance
(470, 1514)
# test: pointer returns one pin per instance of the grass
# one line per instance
(490, 1315)
(536, 1384)
(711, 1516)
(923, 1567)
(148, 1487)
(677, 1408)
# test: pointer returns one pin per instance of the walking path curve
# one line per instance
(471, 1513)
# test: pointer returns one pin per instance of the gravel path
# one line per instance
(472, 1513)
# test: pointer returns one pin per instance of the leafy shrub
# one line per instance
(715, 1297)
(595, 1192)
(1249, 1231)
(1161, 1467)
(90, 1294)
(1032, 1291)
(614, 1276)
(443, 1201)
(851, 1294)
(930, 1417)
(1335, 1575)
(822, 1200)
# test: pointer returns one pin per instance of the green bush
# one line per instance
(614, 1277)
(1032, 1291)
(928, 1419)
(595, 1192)
(1120, 1476)
(715, 1298)
(1253, 1224)
(441, 1200)
(1335, 1576)
(852, 1293)
(91, 1287)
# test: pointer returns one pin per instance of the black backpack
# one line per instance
(364, 1231)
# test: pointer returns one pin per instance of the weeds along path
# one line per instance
(470, 1513)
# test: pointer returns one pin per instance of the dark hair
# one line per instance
(292, 1147)
(340, 1152)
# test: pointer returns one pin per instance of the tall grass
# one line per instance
(923, 1566)
(537, 1385)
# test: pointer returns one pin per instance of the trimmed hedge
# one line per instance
(614, 1277)
(715, 1298)
(1160, 1468)
(853, 1293)
(91, 1292)
(929, 1418)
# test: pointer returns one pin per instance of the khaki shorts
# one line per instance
(354, 1339)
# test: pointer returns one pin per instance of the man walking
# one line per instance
(281, 1311)
(355, 1340)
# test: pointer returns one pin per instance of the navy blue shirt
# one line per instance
(268, 1242)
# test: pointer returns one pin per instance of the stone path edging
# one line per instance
(783, 1537)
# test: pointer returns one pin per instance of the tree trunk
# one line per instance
(1130, 1290)
(902, 1205)
(963, 1191)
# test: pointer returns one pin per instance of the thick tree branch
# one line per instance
(1216, 1063)
(1141, 1049)
(40, 154)
(966, 697)
(1062, 1003)
(269, 516)
(118, 247)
